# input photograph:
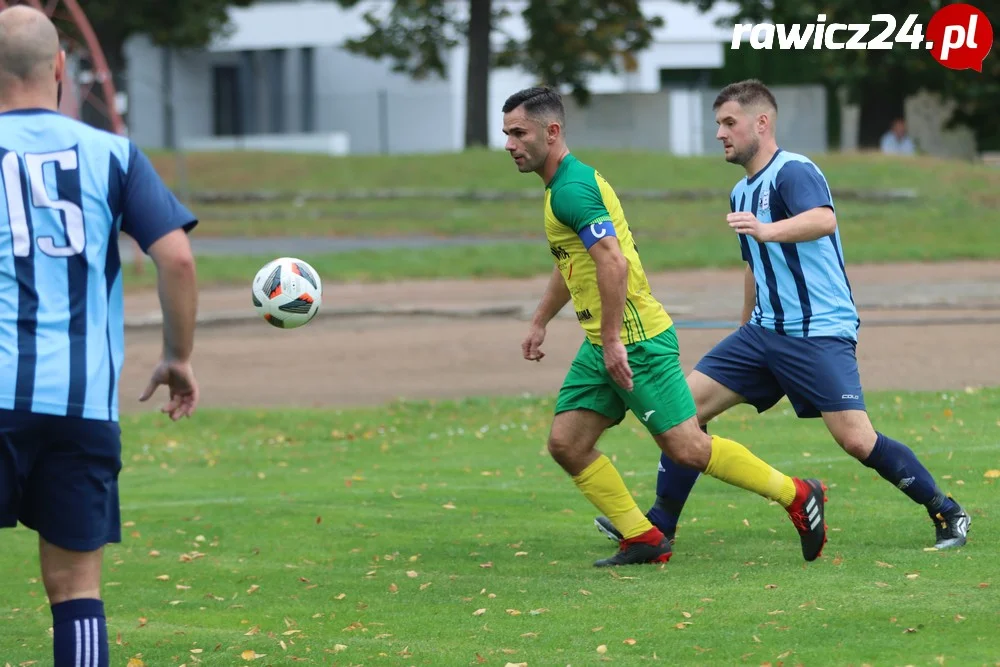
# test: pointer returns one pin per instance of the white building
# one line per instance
(280, 79)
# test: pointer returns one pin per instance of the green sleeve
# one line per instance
(577, 204)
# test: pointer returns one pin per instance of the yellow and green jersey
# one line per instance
(581, 208)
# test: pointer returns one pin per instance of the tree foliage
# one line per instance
(879, 80)
(567, 40)
(179, 23)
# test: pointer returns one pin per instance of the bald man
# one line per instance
(68, 190)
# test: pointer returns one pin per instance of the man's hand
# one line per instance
(616, 361)
(532, 342)
(179, 378)
(748, 224)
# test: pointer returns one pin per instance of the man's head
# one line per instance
(746, 112)
(899, 127)
(32, 63)
(533, 120)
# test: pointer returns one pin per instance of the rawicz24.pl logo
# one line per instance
(959, 36)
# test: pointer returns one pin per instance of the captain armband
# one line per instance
(596, 231)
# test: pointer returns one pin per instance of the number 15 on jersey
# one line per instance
(26, 188)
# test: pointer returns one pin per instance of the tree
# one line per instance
(180, 23)
(567, 40)
(879, 80)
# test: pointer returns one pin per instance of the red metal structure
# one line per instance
(100, 97)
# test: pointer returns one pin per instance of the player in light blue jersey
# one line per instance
(66, 191)
(798, 336)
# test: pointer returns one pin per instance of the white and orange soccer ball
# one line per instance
(287, 292)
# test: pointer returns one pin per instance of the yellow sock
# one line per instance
(603, 486)
(733, 463)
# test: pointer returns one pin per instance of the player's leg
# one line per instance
(71, 501)
(675, 482)
(734, 369)
(822, 379)
(585, 408)
(662, 398)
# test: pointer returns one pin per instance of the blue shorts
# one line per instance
(818, 374)
(59, 477)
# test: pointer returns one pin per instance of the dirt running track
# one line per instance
(923, 327)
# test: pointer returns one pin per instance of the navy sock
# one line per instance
(897, 464)
(80, 634)
(673, 486)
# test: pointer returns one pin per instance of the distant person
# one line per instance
(68, 189)
(896, 141)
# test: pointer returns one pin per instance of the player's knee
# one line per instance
(562, 450)
(70, 575)
(687, 444)
(855, 442)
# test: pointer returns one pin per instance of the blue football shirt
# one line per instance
(802, 288)
(67, 190)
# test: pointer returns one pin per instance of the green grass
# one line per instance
(243, 171)
(951, 220)
(879, 233)
(374, 536)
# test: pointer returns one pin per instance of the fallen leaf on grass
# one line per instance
(513, 612)
(881, 564)
(252, 631)
(602, 649)
(449, 506)
(992, 474)
(629, 642)
(135, 662)
(412, 574)
(250, 654)
(479, 612)
(163, 577)
(912, 575)
(770, 586)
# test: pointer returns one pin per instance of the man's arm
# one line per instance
(749, 295)
(178, 290)
(807, 226)
(555, 297)
(804, 192)
(612, 281)
(159, 223)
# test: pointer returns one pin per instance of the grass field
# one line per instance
(951, 219)
(442, 534)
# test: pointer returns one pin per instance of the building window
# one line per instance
(227, 109)
(684, 78)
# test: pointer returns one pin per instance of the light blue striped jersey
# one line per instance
(67, 190)
(802, 288)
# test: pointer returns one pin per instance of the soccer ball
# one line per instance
(287, 292)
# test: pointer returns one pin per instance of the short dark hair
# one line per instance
(747, 93)
(538, 102)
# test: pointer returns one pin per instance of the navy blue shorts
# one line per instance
(59, 477)
(818, 374)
